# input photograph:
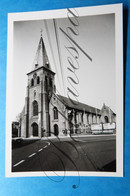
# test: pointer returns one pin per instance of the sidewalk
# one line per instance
(76, 136)
(62, 136)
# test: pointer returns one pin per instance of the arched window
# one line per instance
(47, 64)
(35, 108)
(32, 82)
(54, 88)
(50, 82)
(106, 119)
(55, 111)
(45, 83)
(38, 79)
(36, 65)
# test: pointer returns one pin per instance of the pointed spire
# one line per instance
(104, 106)
(41, 58)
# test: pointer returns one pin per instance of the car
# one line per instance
(17, 142)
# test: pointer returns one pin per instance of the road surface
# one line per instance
(89, 153)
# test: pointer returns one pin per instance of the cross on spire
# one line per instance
(41, 32)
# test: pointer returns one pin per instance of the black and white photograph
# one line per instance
(65, 93)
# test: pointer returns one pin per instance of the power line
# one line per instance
(60, 60)
(48, 34)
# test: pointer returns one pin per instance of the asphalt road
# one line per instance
(95, 153)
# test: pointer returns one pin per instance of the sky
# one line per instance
(96, 36)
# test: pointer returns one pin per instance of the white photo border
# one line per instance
(82, 11)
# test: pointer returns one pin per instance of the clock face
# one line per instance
(34, 75)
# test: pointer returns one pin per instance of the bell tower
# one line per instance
(39, 91)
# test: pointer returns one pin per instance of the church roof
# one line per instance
(106, 108)
(41, 58)
(78, 105)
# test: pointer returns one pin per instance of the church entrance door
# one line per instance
(56, 130)
(35, 129)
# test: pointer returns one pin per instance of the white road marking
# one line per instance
(31, 155)
(18, 163)
(40, 150)
(45, 146)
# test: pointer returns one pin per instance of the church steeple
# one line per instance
(41, 58)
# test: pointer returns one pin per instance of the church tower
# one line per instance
(39, 92)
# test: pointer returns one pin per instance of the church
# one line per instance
(47, 114)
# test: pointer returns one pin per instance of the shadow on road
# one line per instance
(21, 142)
(110, 167)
